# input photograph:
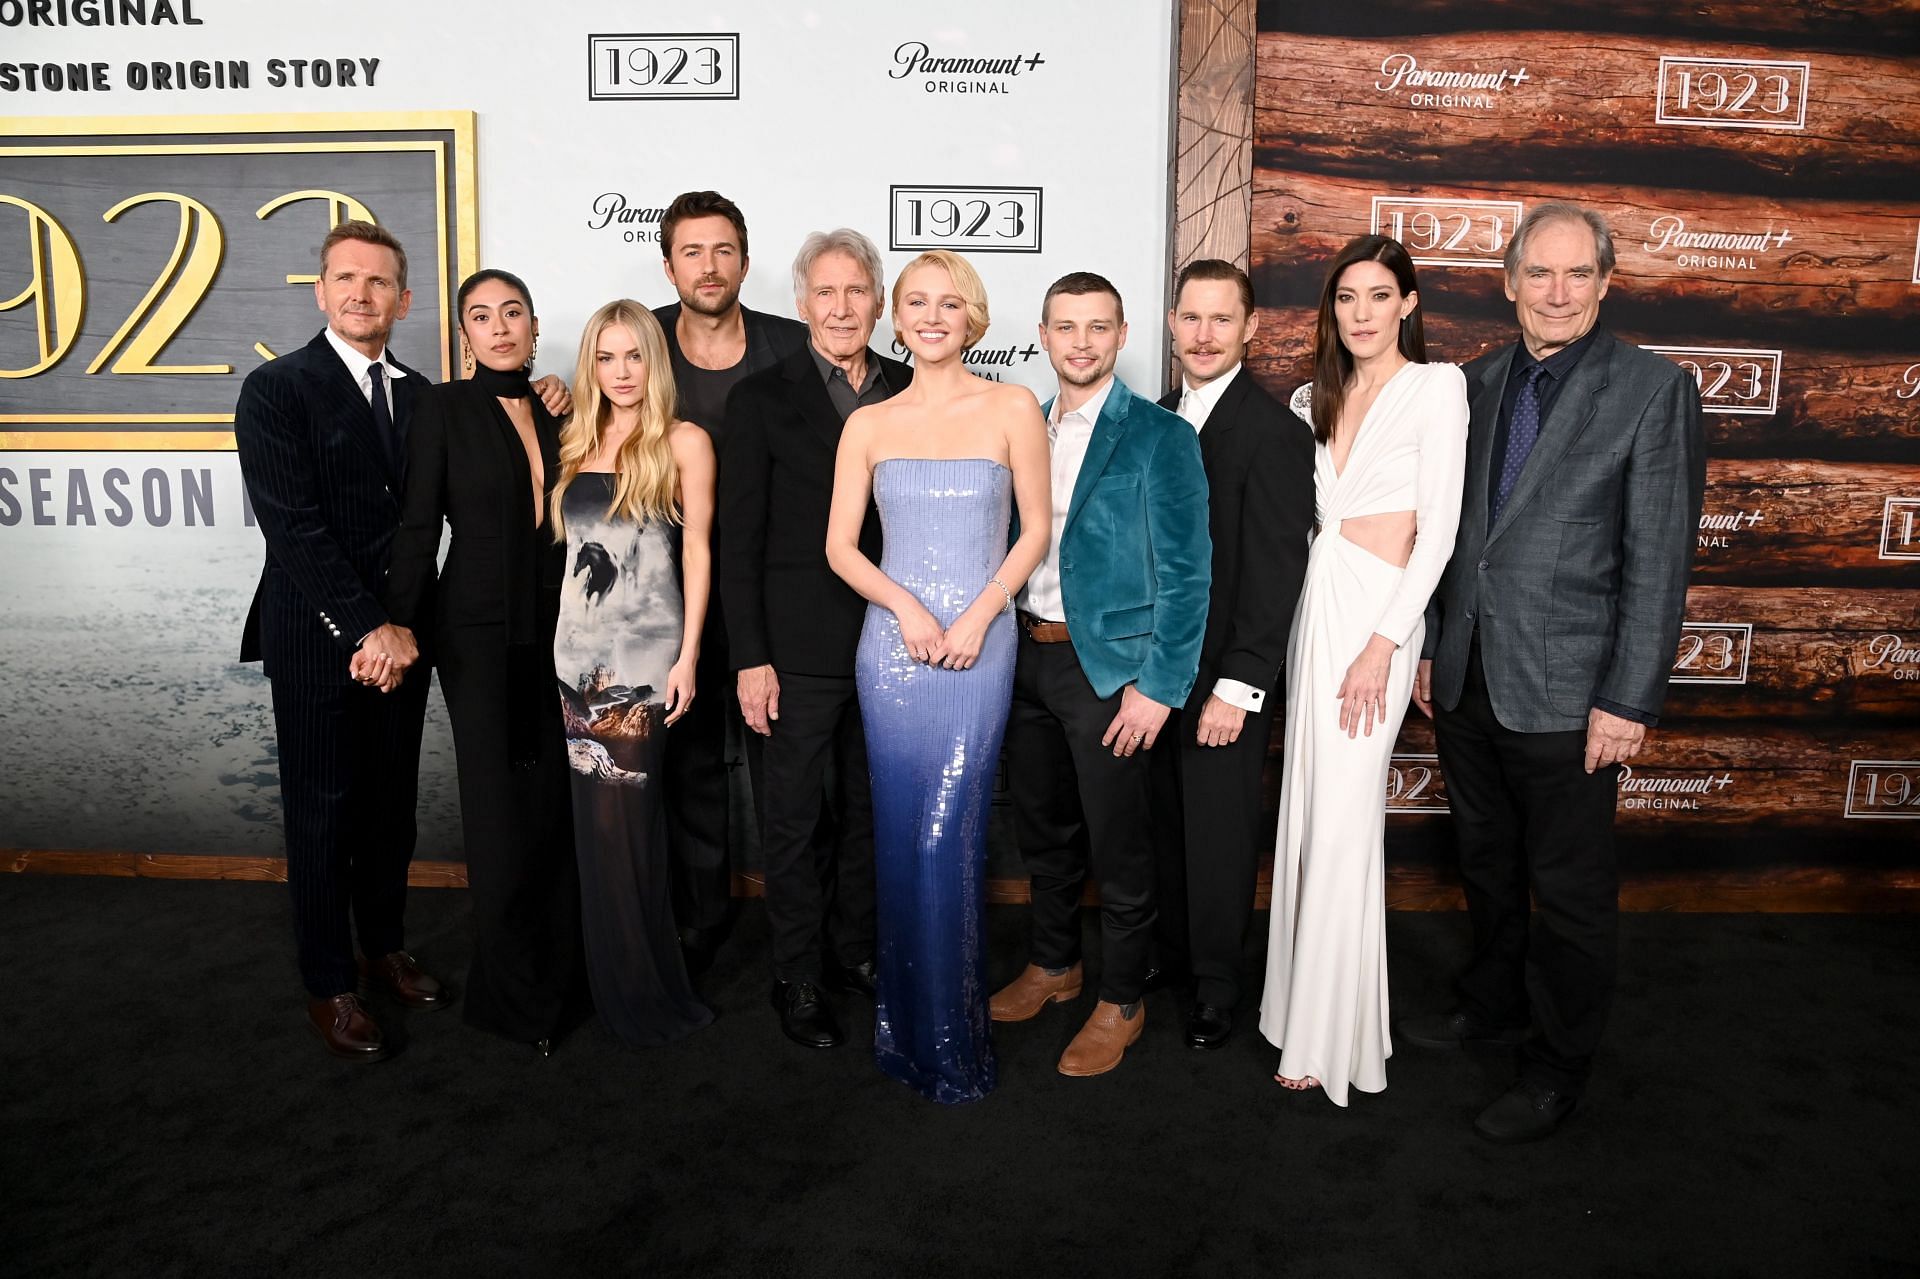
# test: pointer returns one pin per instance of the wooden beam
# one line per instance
(1811, 890)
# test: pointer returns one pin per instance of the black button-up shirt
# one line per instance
(840, 388)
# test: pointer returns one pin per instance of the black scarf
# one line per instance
(505, 386)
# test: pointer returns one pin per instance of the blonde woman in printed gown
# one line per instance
(1389, 462)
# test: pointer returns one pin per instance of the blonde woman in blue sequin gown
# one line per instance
(946, 460)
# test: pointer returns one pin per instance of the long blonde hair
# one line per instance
(646, 481)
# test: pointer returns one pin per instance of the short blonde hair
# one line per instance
(966, 282)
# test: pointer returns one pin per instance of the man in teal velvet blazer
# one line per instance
(1111, 625)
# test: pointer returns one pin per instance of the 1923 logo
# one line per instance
(1414, 785)
(1712, 653)
(1732, 93)
(977, 219)
(1731, 379)
(1900, 529)
(1441, 232)
(1884, 789)
(663, 67)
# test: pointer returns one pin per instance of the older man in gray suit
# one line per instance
(1548, 647)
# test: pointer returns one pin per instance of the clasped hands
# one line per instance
(953, 648)
(383, 657)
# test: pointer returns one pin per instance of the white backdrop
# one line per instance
(124, 722)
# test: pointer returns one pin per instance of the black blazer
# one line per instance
(327, 497)
(770, 339)
(1259, 460)
(784, 606)
(466, 465)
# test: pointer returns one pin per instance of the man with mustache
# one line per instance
(1259, 461)
(714, 343)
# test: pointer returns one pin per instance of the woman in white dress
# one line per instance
(1388, 469)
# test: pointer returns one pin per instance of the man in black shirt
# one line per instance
(713, 342)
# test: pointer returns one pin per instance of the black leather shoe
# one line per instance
(859, 977)
(1451, 1030)
(1158, 979)
(1209, 1026)
(1527, 1111)
(804, 1015)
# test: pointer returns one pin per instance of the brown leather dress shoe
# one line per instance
(1103, 1040)
(400, 976)
(345, 1028)
(1022, 998)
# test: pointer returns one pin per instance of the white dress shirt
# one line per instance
(1067, 438)
(1196, 406)
(358, 364)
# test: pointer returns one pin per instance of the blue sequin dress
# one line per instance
(933, 747)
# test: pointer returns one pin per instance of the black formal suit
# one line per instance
(697, 795)
(787, 609)
(1207, 809)
(326, 490)
(486, 624)
(1571, 599)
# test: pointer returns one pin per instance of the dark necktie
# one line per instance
(383, 416)
(1522, 430)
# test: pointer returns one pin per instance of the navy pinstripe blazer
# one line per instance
(327, 497)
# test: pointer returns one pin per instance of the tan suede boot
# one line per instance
(1103, 1040)
(1022, 998)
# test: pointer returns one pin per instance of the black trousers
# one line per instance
(1078, 808)
(1533, 823)
(817, 892)
(699, 838)
(349, 776)
(1207, 827)
(517, 818)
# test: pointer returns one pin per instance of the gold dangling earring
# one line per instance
(466, 359)
(533, 352)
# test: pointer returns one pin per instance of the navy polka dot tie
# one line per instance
(1522, 431)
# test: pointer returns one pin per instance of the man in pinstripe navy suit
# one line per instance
(321, 433)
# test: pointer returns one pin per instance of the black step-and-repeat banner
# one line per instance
(169, 167)
(1760, 168)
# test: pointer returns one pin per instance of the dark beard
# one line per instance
(721, 306)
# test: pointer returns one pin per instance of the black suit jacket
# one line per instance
(785, 607)
(1259, 460)
(770, 339)
(467, 466)
(327, 497)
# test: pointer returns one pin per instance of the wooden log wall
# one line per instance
(1760, 167)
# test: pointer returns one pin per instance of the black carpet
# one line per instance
(167, 1112)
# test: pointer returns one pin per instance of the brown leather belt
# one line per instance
(1043, 632)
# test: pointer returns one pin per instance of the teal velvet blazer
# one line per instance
(1136, 561)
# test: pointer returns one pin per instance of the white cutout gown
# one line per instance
(1325, 1001)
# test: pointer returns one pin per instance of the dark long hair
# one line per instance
(480, 277)
(1332, 362)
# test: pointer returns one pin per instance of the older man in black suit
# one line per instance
(1207, 809)
(793, 625)
(1549, 644)
(321, 433)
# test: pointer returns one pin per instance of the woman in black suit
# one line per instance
(482, 455)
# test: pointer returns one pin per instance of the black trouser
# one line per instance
(697, 802)
(1206, 827)
(517, 819)
(1077, 807)
(1529, 818)
(349, 775)
(816, 891)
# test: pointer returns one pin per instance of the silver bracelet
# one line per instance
(1004, 591)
